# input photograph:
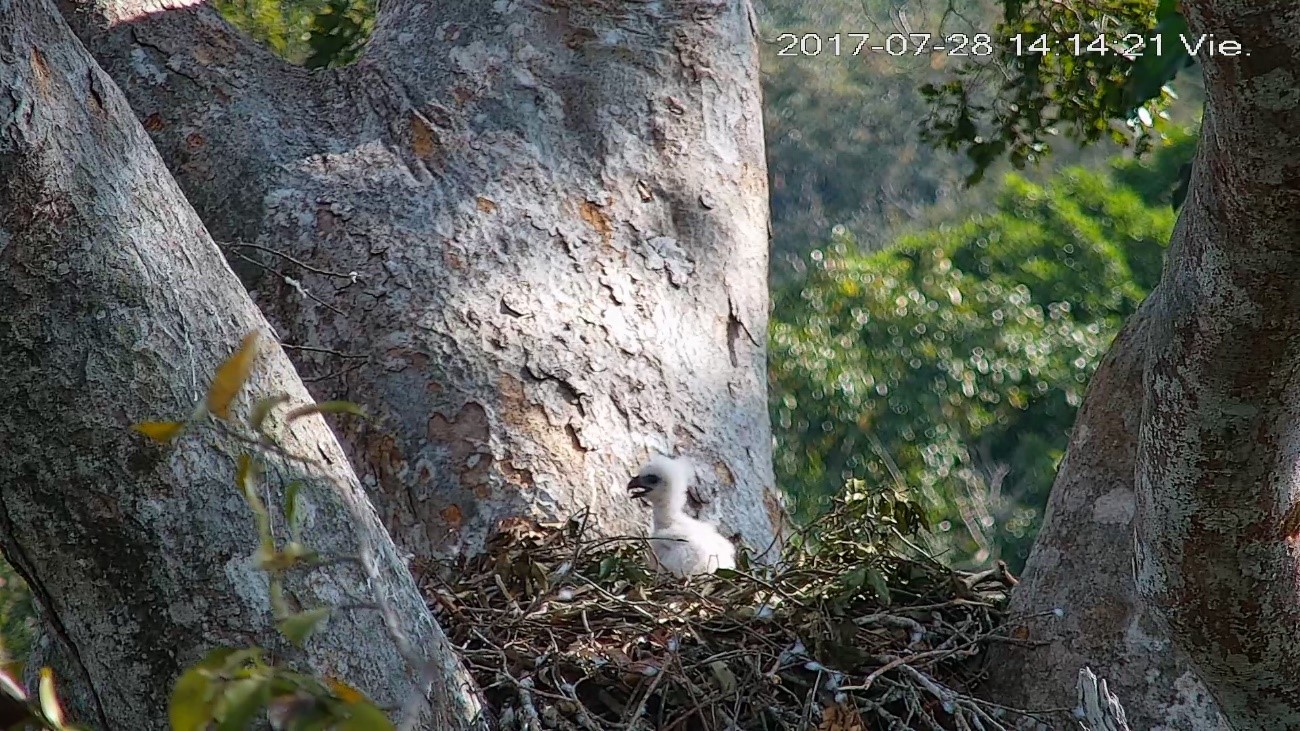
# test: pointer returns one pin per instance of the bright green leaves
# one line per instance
(231, 376)
(1152, 71)
(1062, 68)
(227, 382)
(298, 627)
(230, 688)
(949, 366)
(163, 432)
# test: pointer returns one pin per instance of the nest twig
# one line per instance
(566, 630)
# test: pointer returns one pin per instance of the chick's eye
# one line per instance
(651, 479)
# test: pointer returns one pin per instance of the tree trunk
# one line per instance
(117, 308)
(1205, 472)
(1077, 593)
(556, 215)
(1218, 510)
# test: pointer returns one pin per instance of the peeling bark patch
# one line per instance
(724, 473)
(515, 476)
(424, 140)
(154, 122)
(452, 516)
(733, 334)
(524, 416)
(597, 219)
(775, 513)
(194, 141)
(96, 91)
(575, 438)
(383, 457)
(465, 435)
(485, 204)
(40, 71)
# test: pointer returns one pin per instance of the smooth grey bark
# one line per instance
(557, 217)
(117, 308)
(1218, 484)
(1189, 433)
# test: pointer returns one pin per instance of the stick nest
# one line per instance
(564, 629)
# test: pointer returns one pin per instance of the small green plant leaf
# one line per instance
(326, 407)
(344, 692)
(364, 716)
(298, 627)
(239, 703)
(50, 706)
(227, 660)
(291, 515)
(162, 432)
(190, 708)
(231, 376)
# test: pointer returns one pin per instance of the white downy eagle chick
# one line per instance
(680, 544)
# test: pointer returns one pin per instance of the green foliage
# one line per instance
(338, 32)
(951, 364)
(314, 33)
(230, 687)
(17, 615)
(842, 136)
(1162, 178)
(1067, 67)
(845, 138)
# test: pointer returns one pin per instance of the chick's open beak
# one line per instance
(636, 488)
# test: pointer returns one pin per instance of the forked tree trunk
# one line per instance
(556, 215)
(1188, 437)
(117, 307)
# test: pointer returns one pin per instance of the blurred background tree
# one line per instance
(313, 33)
(952, 361)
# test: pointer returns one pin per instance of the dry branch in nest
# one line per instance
(566, 630)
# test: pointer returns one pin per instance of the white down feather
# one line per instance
(680, 544)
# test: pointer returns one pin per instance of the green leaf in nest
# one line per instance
(878, 584)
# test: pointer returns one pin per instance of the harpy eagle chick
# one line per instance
(680, 544)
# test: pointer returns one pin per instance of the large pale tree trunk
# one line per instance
(1175, 516)
(556, 214)
(115, 307)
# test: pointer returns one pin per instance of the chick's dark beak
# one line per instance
(636, 488)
